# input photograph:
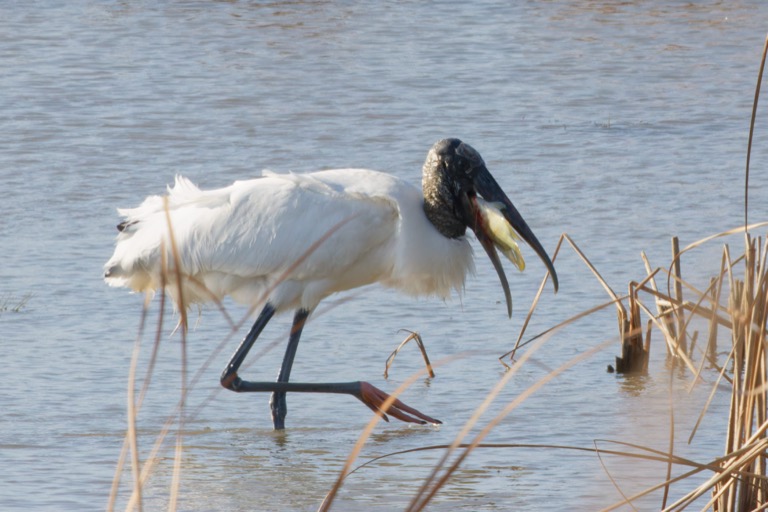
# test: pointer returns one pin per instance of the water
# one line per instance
(621, 124)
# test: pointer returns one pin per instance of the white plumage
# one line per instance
(239, 240)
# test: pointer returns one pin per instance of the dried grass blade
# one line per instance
(534, 304)
(662, 457)
(671, 446)
(709, 399)
(182, 306)
(562, 324)
(479, 411)
(365, 434)
(752, 133)
(594, 270)
(732, 231)
(130, 437)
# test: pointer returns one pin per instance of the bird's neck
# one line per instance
(439, 205)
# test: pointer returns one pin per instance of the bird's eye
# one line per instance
(455, 163)
(466, 159)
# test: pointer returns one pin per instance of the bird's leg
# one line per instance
(229, 378)
(367, 393)
(370, 395)
(277, 401)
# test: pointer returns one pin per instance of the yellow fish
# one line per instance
(503, 236)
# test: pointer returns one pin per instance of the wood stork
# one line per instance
(253, 241)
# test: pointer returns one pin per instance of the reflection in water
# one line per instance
(633, 384)
(411, 432)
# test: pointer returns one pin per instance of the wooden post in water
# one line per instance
(634, 355)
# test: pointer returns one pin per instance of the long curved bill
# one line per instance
(491, 235)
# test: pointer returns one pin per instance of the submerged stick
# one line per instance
(412, 336)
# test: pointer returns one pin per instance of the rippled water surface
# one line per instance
(621, 124)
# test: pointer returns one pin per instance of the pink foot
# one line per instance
(374, 398)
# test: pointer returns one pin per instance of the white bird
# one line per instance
(257, 241)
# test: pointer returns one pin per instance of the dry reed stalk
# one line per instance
(634, 357)
(130, 442)
(183, 321)
(678, 275)
(749, 313)
(433, 484)
(750, 373)
(713, 466)
(652, 455)
(365, 434)
(669, 308)
(663, 307)
(616, 300)
(740, 481)
(130, 436)
(635, 350)
(670, 318)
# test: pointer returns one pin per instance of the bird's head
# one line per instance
(454, 175)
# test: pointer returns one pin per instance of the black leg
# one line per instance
(229, 378)
(370, 395)
(277, 403)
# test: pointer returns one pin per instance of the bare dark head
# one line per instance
(447, 177)
(454, 174)
(457, 160)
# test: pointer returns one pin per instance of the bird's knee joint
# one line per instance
(231, 381)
